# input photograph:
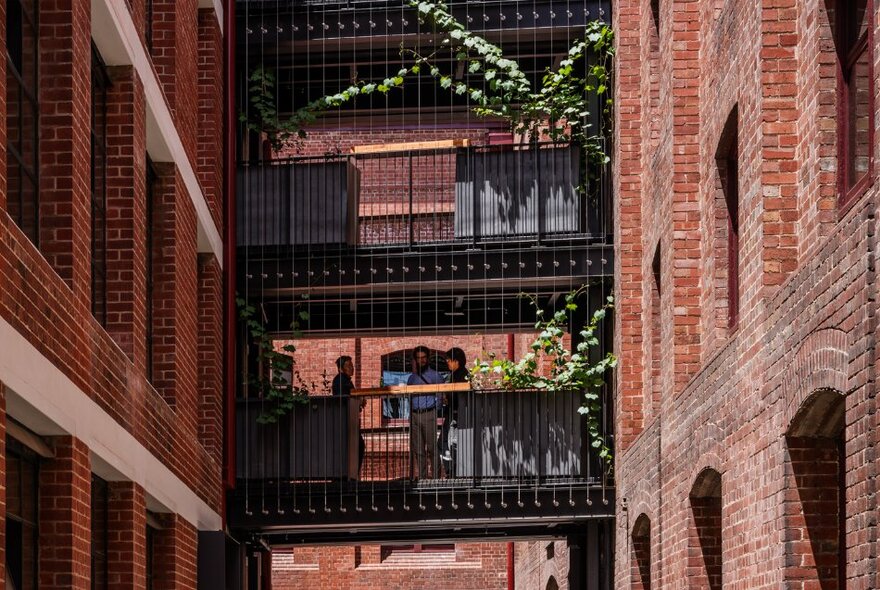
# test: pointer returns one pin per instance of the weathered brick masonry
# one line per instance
(45, 288)
(729, 475)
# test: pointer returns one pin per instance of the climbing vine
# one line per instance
(550, 366)
(270, 381)
(556, 110)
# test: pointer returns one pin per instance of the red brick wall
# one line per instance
(126, 536)
(475, 565)
(176, 60)
(535, 567)
(807, 290)
(210, 355)
(174, 560)
(44, 294)
(126, 231)
(65, 98)
(65, 517)
(211, 113)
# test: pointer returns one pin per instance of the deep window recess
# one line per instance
(100, 84)
(856, 107)
(640, 566)
(151, 555)
(22, 116)
(148, 25)
(727, 160)
(100, 513)
(389, 550)
(152, 182)
(22, 493)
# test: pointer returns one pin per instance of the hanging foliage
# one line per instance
(276, 381)
(556, 110)
(550, 366)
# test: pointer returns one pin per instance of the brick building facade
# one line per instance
(110, 291)
(746, 206)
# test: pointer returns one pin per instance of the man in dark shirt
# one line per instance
(423, 414)
(342, 385)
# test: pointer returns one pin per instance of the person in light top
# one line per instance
(423, 415)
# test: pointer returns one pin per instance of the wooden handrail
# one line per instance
(411, 146)
(411, 389)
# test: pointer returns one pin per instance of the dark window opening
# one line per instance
(654, 73)
(653, 403)
(148, 25)
(389, 550)
(152, 183)
(854, 39)
(22, 494)
(816, 443)
(100, 84)
(100, 532)
(705, 498)
(22, 116)
(150, 557)
(640, 564)
(727, 160)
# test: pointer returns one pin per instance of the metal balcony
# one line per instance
(518, 459)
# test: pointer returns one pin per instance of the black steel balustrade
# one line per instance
(462, 195)
(499, 454)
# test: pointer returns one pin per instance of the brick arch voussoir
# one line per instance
(821, 363)
(708, 461)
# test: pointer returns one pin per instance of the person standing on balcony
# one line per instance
(342, 386)
(342, 383)
(423, 414)
(456, 360)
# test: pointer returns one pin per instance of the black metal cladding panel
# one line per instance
(312, 441)
(518, 192)
(287, 204)
(509, 435)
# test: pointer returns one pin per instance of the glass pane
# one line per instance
(14, 33)
(28, 55)
(859, 121)
(28, 141)
(29, 558)
(29, 208)
(861, 18)
(30, 491)
(13, 485)
(13, 111)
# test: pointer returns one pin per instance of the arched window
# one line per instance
(396, 369)
(640, 563)
(705, 561)
(552, 584)
(816, 458)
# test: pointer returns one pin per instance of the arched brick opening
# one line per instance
(705, 531)
(816, 511)
(640, 564)
(552, 584)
